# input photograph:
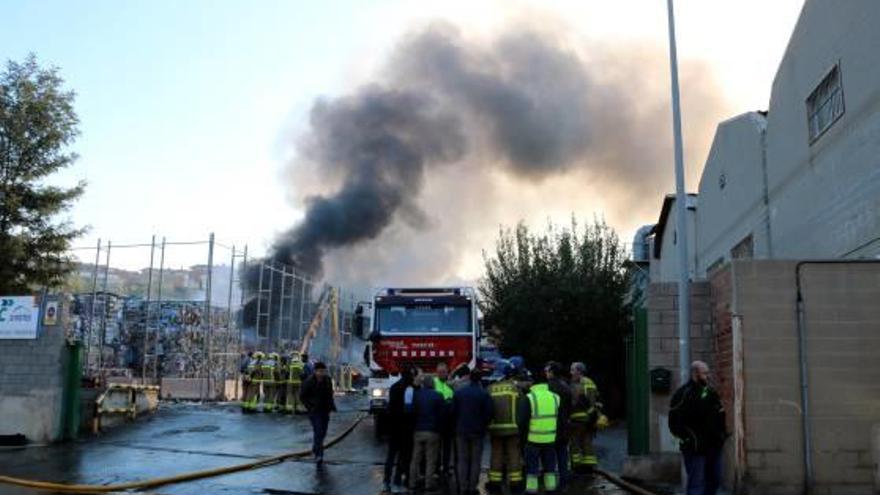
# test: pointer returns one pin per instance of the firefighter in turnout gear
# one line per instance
(251, 382)
(268, 376)
(540, 415)
(281, 377)
(295, 371)
(586, 410)
(504, 432)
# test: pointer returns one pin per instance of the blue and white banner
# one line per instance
(19, 317)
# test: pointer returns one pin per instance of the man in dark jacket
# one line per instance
(696, 417)
(430, 416)
(401, 421)
(473, 410)
(558, 386)
(317, 396)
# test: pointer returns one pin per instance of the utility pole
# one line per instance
(684, 334)
(206, 318)
(147, 318)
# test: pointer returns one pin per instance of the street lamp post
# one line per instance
(684, 337)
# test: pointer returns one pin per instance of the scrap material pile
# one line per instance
(176, 335)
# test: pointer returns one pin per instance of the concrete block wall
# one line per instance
(764, 301)
(842, 324)
(662, 306)
(32, 384)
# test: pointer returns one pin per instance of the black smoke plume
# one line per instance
(527, 103)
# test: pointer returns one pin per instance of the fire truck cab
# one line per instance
(418, 327)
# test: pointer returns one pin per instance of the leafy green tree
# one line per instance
(560, 296)
(37, 124)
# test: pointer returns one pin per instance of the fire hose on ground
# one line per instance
(626, 485)
(153, 483)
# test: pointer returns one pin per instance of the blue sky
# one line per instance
(189, 109)
(183, 105)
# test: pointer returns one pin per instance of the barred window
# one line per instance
(825, 104)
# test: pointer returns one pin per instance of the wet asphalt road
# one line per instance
(182, 438)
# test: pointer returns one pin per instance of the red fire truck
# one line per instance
(419, 327)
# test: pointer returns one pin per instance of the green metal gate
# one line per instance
(637, 384)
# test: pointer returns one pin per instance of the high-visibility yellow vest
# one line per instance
(295, 370)
(580, 412)
(504, 395)
(443, 388)
(544, 406)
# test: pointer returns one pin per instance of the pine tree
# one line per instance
(37, 125)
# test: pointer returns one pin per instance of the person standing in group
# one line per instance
(585, 413)
(294, 384)
(441, 385)
(308, 369)
(268, 377)
(430, 416)
(401, 421)
(697, 419)
(317, 396)
(560, 387)
(539, 416)
(251, 382)
(504, 439)
(281, 376)
(473, 410)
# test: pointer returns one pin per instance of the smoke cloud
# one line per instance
(459, 135)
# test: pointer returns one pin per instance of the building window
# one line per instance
(825, 104)
(744, 249)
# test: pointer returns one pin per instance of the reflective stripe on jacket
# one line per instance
(544, 406)
(294, 373)
(268, 371)
(584, 404)
(444, 389)
(504, 395)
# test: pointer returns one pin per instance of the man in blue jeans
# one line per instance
(696, 417)
(317, 396)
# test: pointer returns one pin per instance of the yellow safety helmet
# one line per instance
(259, 355)
(295, 356)
(273, 355)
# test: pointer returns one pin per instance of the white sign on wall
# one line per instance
(19, 317)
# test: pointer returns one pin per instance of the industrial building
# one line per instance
(784, 254)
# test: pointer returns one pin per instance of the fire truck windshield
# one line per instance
(427, 319)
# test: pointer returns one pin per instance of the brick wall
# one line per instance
(662, 306)
(31, 384)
